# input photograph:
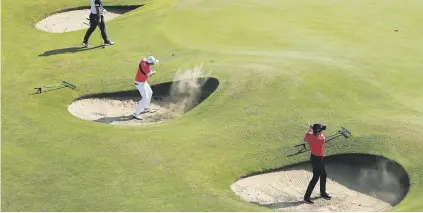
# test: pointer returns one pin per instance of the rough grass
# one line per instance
(281, 64)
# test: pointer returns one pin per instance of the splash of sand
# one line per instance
(186, 88)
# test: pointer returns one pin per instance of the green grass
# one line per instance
(280, 64)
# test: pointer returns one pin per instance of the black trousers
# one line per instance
(319, 172)
(93, 25)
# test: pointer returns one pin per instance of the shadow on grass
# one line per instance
(44, 91)
(119, 9)
(287, 204)
(110, 120)
(68, 50)
(160, 91)
(297, 153)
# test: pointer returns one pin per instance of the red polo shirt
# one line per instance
(315, 142)
(143, 70)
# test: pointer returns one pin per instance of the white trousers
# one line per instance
(146, 94)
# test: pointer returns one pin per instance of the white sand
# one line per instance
(352, 189)
(69, 21)
(119, 112)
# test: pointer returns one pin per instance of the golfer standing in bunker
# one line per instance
(143, 73)
(97, 19)
(316, 140)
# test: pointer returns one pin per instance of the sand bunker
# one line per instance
(356, 182)
(76, 19)
(171, 100)
(119, 112)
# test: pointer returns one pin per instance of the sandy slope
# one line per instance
(69, 21)
(119, 112)
(352, 188)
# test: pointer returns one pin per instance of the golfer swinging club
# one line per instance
(316, 140)
(97, 19)
(143, 73)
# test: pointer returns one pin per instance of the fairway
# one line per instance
(268, 67)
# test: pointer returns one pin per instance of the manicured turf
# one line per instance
(280, 64)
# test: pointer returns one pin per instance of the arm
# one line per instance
(145, 69)
(151, 73)
(306, 136)
(309, 129)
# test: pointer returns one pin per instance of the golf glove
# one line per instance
(151, 73)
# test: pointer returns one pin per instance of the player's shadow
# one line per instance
(67, 50)
(44, 91)
(110, 120)
(280, 205)
(300, 148)
(297, 153)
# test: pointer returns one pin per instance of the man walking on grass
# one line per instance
(143, 73)
(97, 19)
(316, 140)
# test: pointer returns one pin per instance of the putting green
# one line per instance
(280, 64)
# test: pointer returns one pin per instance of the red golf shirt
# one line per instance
(315, 142)
(143, 70)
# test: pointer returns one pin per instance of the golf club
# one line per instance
(101, 37)
(87, 23)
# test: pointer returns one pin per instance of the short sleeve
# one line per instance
(145, 68)
(307, 136)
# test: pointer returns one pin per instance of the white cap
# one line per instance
(152, 60)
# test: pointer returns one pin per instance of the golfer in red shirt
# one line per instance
(143, 73)
(316, 140)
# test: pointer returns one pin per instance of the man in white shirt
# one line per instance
(97, 19)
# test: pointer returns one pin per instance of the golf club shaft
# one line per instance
(328, 138)
(333, 137)
(101, 37)
(53, 86)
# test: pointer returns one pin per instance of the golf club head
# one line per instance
(67, 84)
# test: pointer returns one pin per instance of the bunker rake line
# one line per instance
(344, 132)
(62, 85)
